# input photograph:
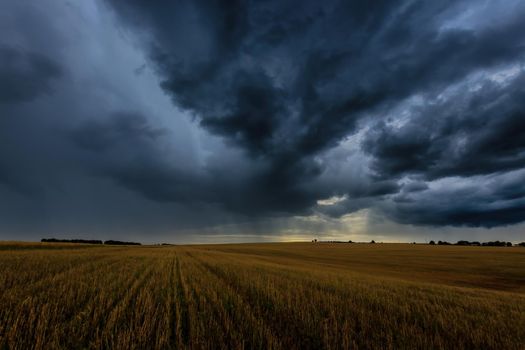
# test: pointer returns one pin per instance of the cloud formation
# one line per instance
(466, 134)
(25, 75)
(276, 80)
(285, 84)
(208, 113)
(489, 201)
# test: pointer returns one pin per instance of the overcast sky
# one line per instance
(215, 121)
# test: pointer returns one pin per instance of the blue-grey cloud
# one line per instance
(199, 114)
(25, 75)
(302, 90)
(489, 201)
(286, 83)
(473, 133)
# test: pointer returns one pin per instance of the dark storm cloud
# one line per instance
(396, 106)
(70, 161)
(279, 78)
(476, 133)
(25, 75)
(286, 81)
(464, 136)
(488, 202)
(122, 127)
(127, 149)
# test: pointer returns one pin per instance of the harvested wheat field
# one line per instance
(282, 295)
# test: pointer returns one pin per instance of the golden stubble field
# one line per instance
(282, 295)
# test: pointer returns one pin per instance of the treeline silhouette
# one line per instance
(87, 241)
(479, 244)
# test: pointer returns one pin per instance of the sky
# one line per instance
(240, 121)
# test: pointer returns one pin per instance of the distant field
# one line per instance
(283, 295)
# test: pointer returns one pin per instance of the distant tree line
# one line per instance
(87, 241)
(476, 243)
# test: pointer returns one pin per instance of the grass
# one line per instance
(285, 295)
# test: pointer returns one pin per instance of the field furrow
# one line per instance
(254, 326)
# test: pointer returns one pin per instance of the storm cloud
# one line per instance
(291, 79)
(195, 115)
(477, 133)
(25, 75)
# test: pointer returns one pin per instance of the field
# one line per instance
(282, 295)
